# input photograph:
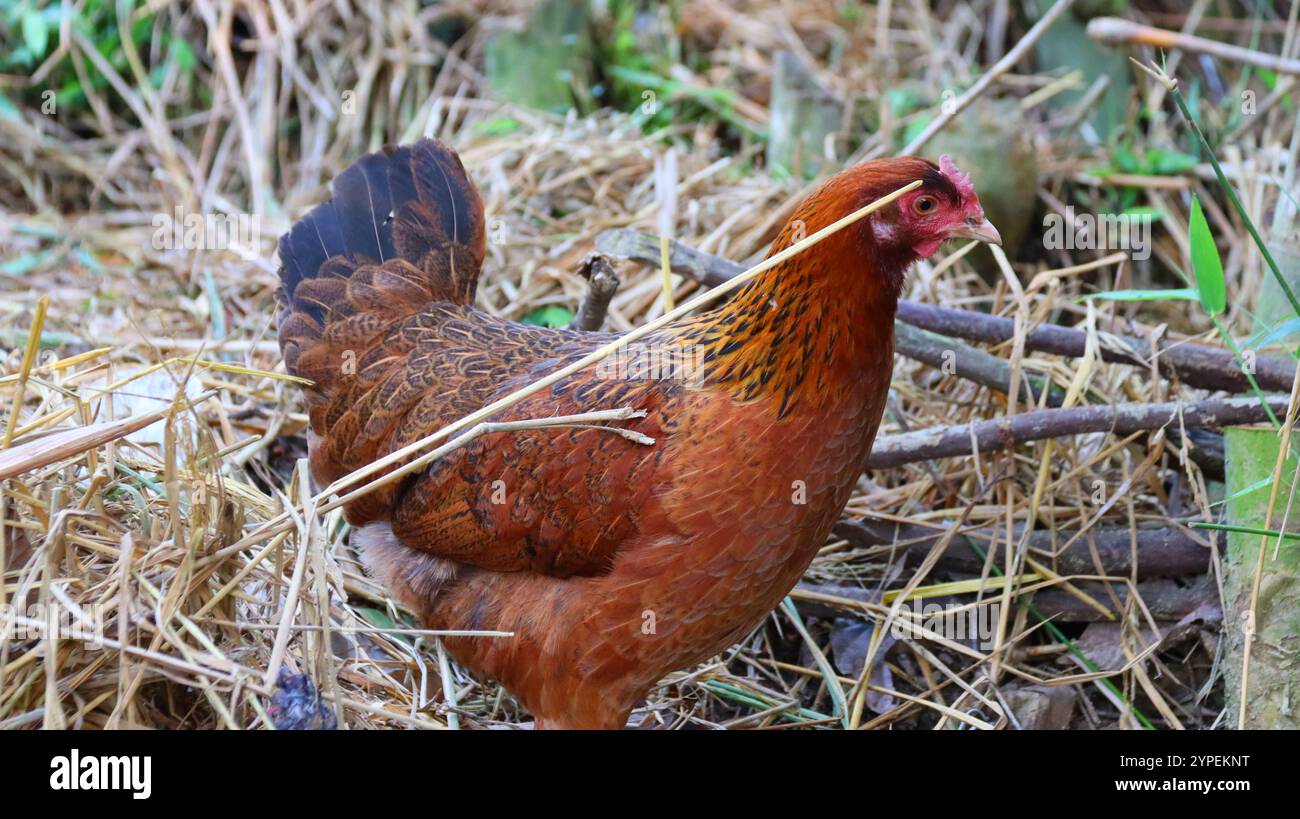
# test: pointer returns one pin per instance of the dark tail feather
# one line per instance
(440, 180)
(401, 203)
(305, 248)
(362, 192)
(404, 228)
(401, 183)
(437, 208)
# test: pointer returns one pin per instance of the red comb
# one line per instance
(959, 180)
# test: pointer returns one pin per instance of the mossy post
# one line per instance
(547, 65)
(804, 116)
(1273, 688)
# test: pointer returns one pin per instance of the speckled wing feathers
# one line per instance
(376, 311)
(555, 501)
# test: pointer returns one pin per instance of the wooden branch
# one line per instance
(1197, 365)
(1122, 419)
(602, 284)
(964, 361)
(1167, 600)
(705, 268)
(1165, 551)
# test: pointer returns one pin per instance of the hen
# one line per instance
(612, 562)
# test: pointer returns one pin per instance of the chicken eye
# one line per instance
(924, 204)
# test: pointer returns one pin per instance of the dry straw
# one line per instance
(152, 442)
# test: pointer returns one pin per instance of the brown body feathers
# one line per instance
(612, 562)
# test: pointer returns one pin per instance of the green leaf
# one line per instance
(1283, 330)
(552, 315)
(499, 126)
(88, 260)
(35, 33)
(7, 109)
(1181, 294)
(376, 618)
(183, 54)
(1126, 160)
(902, 101)
(1140, 211)
(26, 263)
(1245, 490)
(380, 619)
(1206, 264)
(915, 127)
(1168, 162)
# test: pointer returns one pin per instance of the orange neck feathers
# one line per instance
(810, 330)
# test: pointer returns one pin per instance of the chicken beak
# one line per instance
(979, 229)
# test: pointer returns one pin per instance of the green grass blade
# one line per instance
(1236, 203)
(1207, 267)
(1179, 294)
